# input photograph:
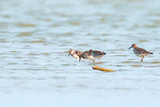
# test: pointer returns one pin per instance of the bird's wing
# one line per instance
(78, 52)
(142, 51)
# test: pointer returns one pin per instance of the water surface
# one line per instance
(35, 36)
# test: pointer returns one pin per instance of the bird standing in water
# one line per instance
(92, 55)
(97, 54)
(86, 55)
(140, 52)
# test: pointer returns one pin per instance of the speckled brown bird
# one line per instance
(86, 55)
(140, 52)
(97, 54)
(75, 53)
(92, 55)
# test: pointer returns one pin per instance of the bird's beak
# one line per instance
(130, 47)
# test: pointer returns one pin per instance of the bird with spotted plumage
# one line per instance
(86, 55)
(74, 53)
(140, 52)
(92, 55)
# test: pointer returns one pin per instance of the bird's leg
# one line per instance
(94, 62)
(142, 58)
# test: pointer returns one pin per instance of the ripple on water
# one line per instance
(103, 19)
(3, 24)
(151, 26)
(143, 40)
(2, 53)
(37, 41)
(152, 66)
(32, 54)
(155, 62)
(69, 34)
(121, 55)
(104, 40)
(129, 62)
(55, 25)
(60, 86)
(74, 23)
(47, 20)
(81, 85)
(65, 64)
(25, 25)
(46, 54)
(96, 39)
(15, 51)
(59, 77)
(3, 41)
(12, 63)
(156, 21)
(21, 34)
(136, 65)
(82, 44)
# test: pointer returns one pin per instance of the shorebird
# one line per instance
(75, 53)
(86, 55)
(140, 52)
(97, 54)
(92, 55)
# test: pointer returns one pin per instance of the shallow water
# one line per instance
(35, 36)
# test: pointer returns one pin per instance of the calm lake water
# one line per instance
(35, 36)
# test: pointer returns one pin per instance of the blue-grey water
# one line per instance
(35, 36)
